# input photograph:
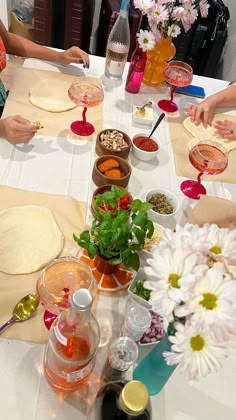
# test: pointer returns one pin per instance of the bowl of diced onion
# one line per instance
(155, 332)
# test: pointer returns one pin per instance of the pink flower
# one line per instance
(204, 6)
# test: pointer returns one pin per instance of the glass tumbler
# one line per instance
(137, 321)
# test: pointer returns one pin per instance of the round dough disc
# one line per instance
(51, 95)
(30, 238)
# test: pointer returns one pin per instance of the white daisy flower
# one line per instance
(146, 40)
(194, 349)
(221, 243)
(173, 273)
(211, 303)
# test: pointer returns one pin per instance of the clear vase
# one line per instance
(153, 370)
(157, 59)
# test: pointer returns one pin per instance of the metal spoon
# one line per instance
(23, 310)
(157, 123)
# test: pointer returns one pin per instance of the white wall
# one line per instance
(229, 61)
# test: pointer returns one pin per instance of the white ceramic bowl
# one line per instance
(159, 217)
(142, 154)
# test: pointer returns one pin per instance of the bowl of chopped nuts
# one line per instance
(165, 204)
(113, 142)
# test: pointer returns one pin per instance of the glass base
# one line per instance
(82, 128)
(48, 318)
(168, 106)
(193, 189)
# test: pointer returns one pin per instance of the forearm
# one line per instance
(225, 98)
(23, 47)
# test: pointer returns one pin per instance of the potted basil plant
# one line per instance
(116, 236)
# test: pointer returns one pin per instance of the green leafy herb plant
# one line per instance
(117, 235)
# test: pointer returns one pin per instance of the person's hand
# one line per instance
(74, 55)
(226, 129)
(202, 112)
(17, 130)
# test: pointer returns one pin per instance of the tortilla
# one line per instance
(207, 133)
(30, 238)
(51, 95)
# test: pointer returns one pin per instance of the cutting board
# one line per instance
(56, 124)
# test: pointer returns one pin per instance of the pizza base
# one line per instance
(199, 132)
(51, 95)
(30, 238)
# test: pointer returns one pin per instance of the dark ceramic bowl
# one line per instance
(100, 179)
(103, 189)
(103, 150)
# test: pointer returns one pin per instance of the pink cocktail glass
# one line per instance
(177, 73)
(209, 158)
(86, 92)
(57, 283)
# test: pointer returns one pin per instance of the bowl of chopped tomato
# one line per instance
(144, 148)
(121, 203)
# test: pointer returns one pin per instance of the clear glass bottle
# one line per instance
(136, 70)
(118, 44)
(122, 400)
(73, 341)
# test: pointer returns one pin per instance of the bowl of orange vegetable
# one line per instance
(110, 170)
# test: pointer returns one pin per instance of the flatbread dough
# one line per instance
(207, 133)
(30, 238)
(51, 95)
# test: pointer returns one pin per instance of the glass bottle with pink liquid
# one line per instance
(136, 70)
(73, 341)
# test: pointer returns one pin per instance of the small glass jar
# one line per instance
(137, 321)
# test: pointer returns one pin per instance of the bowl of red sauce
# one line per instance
(144, 148)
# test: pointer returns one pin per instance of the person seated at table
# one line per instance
(17, 129)
(204, 111)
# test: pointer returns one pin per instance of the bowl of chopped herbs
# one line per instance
(165, 204)
(138, 291)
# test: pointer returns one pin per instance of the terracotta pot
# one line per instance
(103, 265)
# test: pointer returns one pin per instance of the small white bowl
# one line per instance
(159, 217)
(142, 154)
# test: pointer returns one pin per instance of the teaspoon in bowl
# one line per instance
(23, 310)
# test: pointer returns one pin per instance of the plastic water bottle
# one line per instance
(73, 341)
(118, 44)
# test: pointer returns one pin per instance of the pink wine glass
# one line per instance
(177, 73)
(209, 158)
(57, 283)
(86, 92)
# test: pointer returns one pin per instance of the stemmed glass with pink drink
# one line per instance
(209, 158)
(177, 73)
(57, 283)
(86, 92)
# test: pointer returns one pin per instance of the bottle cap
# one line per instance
(82, 299)
(134, 398)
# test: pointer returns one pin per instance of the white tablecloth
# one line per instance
(62, 167)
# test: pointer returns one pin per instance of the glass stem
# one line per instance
(84, 115)
(199, 177)
(173, 88)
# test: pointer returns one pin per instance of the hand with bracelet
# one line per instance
(204, 111)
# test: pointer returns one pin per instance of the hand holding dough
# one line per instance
(207, 133)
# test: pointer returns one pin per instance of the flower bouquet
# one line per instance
(192, 276)
(167, 18)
